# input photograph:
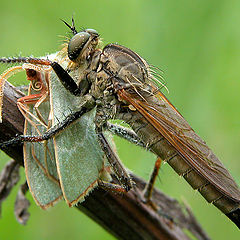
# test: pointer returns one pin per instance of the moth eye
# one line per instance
(77, 44)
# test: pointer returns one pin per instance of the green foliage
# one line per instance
(195, 43)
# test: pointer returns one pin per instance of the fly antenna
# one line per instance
(72, 28)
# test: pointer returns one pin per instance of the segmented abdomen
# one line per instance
(160, 146)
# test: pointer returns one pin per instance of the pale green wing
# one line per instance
(40, 163)
(78, 153)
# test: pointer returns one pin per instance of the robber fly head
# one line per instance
(82, 43)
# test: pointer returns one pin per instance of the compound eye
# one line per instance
(77, 44)
(92, 31)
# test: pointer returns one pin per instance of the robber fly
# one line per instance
(120, 84)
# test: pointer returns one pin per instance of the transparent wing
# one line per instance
(163, 116)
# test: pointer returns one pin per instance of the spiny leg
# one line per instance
(125, 133)
(49, 134)
(150, 186)
(131, 136)
(66, 79)
(116, 164)
(62, 74)
(111, 187)
(149, 190)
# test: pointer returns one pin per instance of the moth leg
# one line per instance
(111, 187)
(38, 103)
(37, 100)
(27, 114)
(115, 163)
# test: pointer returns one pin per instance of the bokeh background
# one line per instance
(196, 44)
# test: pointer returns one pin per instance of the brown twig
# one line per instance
(125, 216)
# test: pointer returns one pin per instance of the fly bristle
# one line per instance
(156, 77)
(156, 74)
(64, 38)
(155, 68)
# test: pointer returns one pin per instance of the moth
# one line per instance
(64, 166)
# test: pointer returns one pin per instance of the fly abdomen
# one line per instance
(162, 148)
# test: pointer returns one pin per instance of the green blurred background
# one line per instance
(196, 43)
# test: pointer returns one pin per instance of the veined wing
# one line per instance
(163, 116)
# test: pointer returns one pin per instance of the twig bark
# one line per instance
(125, 216)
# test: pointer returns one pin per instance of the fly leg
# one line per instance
(119, 170)
(111, 187)
(62, 74)
(148, 191)
(146, 197)
(66, 79)
(125, 133)
(132, 137)
(150, 186)
(51, 132)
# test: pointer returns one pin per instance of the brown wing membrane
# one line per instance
(163, 116)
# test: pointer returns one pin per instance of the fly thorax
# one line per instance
(95, 61)
(102, 85)
(125, 65)
(78, 71)
(105, 111)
